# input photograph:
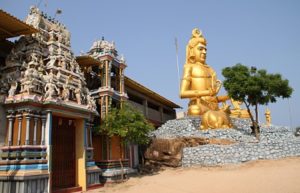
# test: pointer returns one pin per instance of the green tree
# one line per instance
(254, 87)
(128, 123)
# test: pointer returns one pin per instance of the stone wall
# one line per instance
(275, 142)
(25, 184)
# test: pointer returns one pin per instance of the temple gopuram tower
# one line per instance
(49, 111)
(104, 72)
(108, 88)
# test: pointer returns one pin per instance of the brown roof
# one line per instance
(86, 60)
(10, 26)
(137, 86)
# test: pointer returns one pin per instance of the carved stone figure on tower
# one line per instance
(91, 102)
(78, 94)
(66, 89)
(13, 88)
(51, 90)
(34, 58)
(51, 61)
(12, 58)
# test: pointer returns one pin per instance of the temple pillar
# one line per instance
(10, 129)
(86, 135)
(81, 176)
(90, 135)
(20, 118)
(28, 117)
(100, 102)
(161, 112)
(106, 104)
(145, 104)
(43, 130)
(106, 73)
(35, 129)
(121, 79)
(48, 141)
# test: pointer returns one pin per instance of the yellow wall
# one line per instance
(81, 179)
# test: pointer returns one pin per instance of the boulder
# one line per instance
(168, 152)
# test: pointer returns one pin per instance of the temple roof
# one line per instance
(103, 44)
(42, 68)
(137, 86)
(12, 27)
(87, 60)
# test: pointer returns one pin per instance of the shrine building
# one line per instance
(49, 102)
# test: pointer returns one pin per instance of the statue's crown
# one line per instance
(197, 37)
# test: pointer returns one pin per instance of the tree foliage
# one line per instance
(128, 123)
(254, 87)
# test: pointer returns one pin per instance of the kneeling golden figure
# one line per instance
(199, 82)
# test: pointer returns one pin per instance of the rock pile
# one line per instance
(275, 142)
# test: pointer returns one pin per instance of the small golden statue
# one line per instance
(237, 112)
(268, 117)
(199, 81)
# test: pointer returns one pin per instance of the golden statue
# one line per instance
(237, 112)
(268, 117)
(199, 82)
(216, 119)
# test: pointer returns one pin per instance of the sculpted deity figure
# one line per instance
(66, 89)
(72, 65)
(51, 51)
(12, 58)
(30, 73)
(91, 103)
(200, 84)
(268, 117)
(63, 63)
(237, 111)
(59, 37)
(78, 94)
(50, 89)
(13, 88)
(51, 36)
(34, 58)
(199, 81)
(51, 61)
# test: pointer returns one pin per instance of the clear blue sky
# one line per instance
(265, 34)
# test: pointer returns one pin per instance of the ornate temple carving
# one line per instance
(104, 70)
(43, 65)
(13, 88)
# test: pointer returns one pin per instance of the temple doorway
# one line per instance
(63, 153)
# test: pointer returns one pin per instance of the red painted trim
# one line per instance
(116, 160)
(24, 147)
(95, 186)
(68, 190)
